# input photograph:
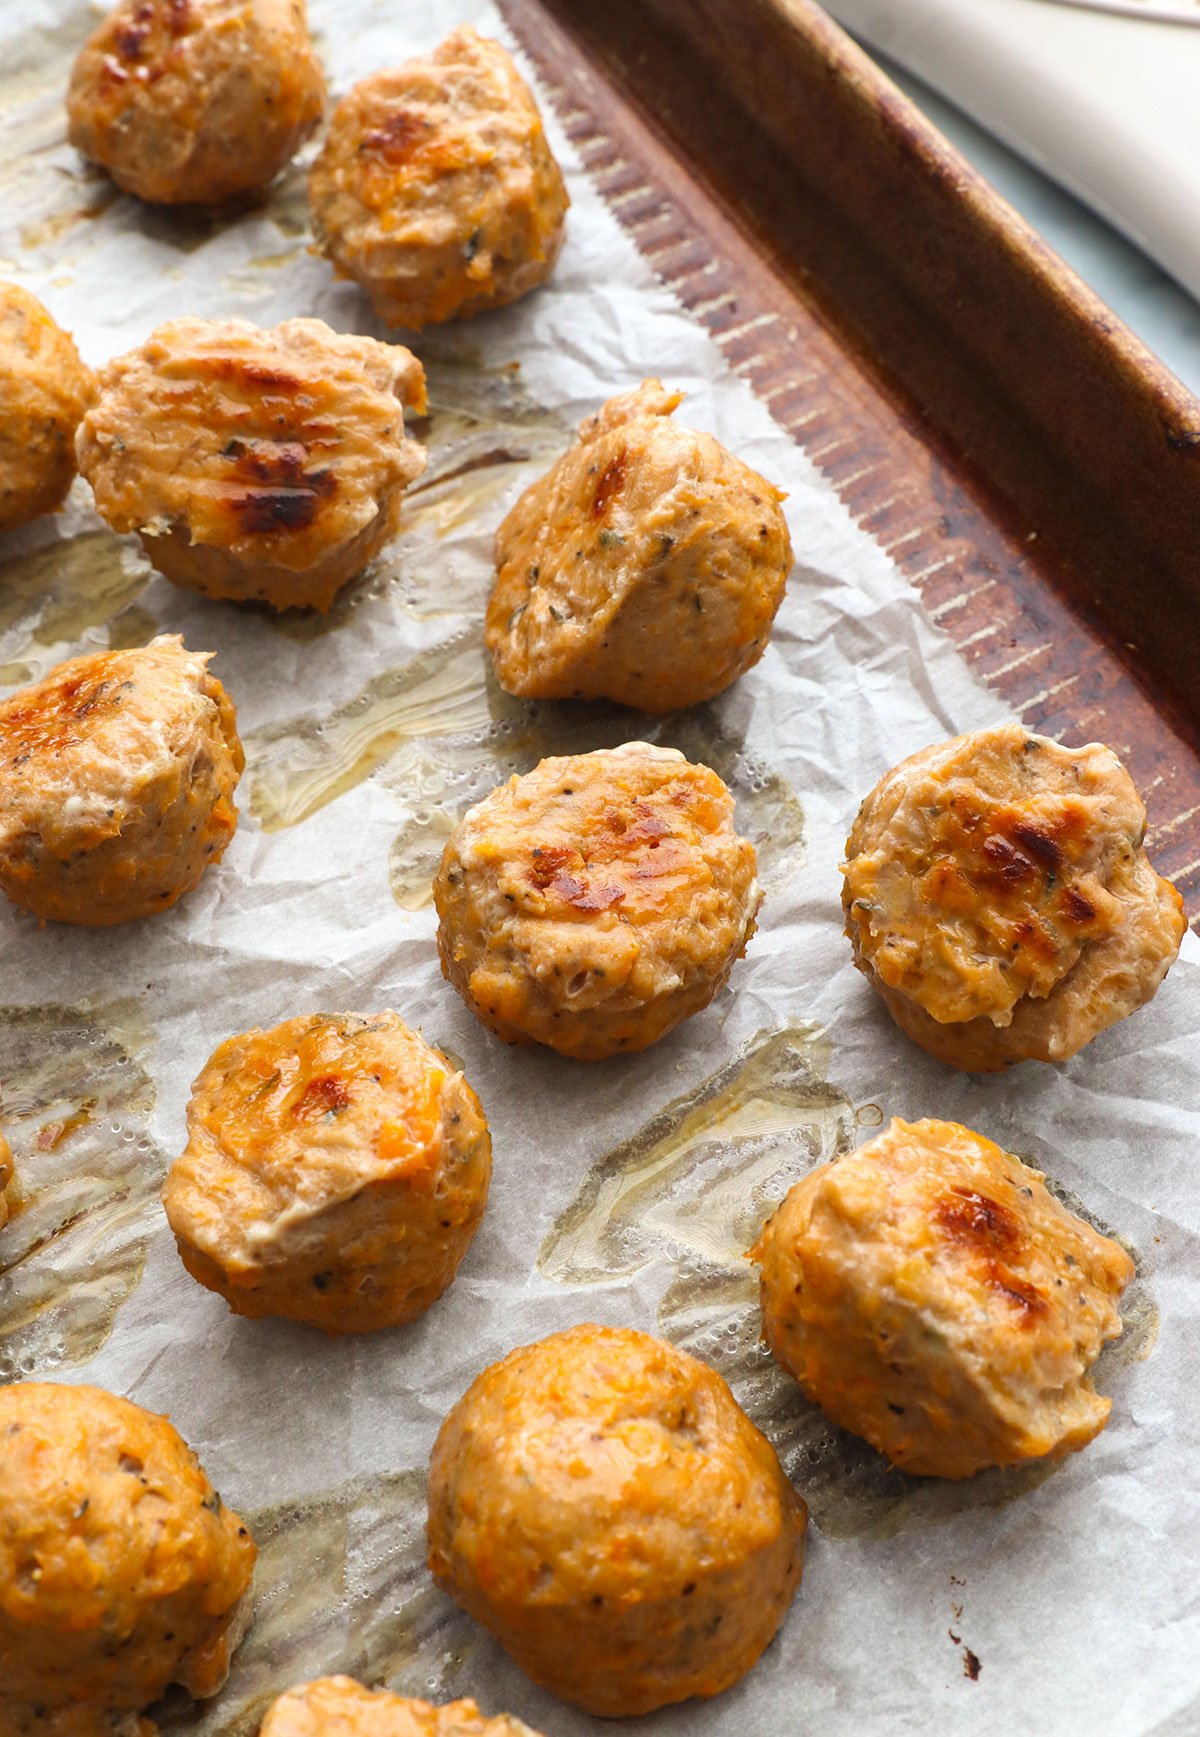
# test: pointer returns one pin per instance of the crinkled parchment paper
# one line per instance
(624, 1192)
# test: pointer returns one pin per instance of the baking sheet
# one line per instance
(1056, 1602)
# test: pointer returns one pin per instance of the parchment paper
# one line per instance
(1074, 1594)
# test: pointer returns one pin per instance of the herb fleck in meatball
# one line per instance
(117, 776)
(336, 1171)
(195, 101)
(597, 901)
(121, 1572)
(601, 1503)
(932, 1295)
(44, 389)
(436, 189)
(255, 464)
(340, 1707)
(645, 567)
(999, 899)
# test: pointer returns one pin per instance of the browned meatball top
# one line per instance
(277, 447)
(195, 101)
(436, 189)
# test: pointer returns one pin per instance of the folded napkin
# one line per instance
(1104, 103)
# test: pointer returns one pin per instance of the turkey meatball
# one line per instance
(340, 1707)
(255, 464)
(645, 567)
(336, 1171)
(436, 190)
(194, 102)
(597, 901)
(998, 898)
(121, 1571)
(603, 1506)
(117, 776)
(6, 1176)
(930, 1294)
(44, 390)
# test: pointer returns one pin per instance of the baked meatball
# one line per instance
(44, 389)
(930, 1294)
(597, 901)
(117, 776)
(6, 1176)
(340, 1707)
(193, 102)
(336, 1171)
(121, 1572)
(255, 464)
(601, 1503)
(436, 190)
(645, 567)
(998, 898)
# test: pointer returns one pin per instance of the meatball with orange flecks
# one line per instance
(597, 901)
(645, 567)
(44, 389)
(6, 1176)
(255, 464)
(602, 1505)
(340, 1707)
(436, 189)
(121, 1571)
(117, 776)
(932, 1295)
(336, 1171)
(999, 899)
(195, 101)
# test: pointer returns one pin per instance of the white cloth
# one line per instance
(1103, 103)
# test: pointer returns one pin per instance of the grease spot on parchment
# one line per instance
(303, 764)
(440, 733)
(286, 201)
(51, 229)
(39, 173)
(133, 627)
(696, 1183)
(75, 1104)
(483, 428)
(694, 1188)
(340, 1585)
(53, 594)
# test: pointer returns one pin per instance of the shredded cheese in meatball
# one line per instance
(602, 1505)
(117, 776)
(121, 1570)
(340, 1707)
(645, 567)
(436, 189)
(255, 463)
(597, 901)
(1000, 880)
(336, 1171)
(44, 390)
(196, 101)
(932, 1295)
